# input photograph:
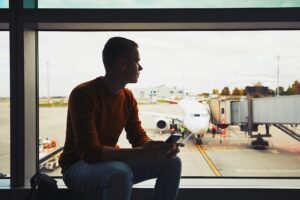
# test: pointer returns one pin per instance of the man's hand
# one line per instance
(159, 149)
(174, 151)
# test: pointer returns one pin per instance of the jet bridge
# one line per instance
(223, 110)
(279, 111)
(250, 112)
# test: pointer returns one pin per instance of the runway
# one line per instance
(232, 157)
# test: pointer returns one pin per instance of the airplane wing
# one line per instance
(161, 115)
(170, 101)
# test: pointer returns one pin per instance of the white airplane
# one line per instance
(193, 115)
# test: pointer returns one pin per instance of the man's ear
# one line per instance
(122, 63)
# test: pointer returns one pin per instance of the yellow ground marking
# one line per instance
(209, 162)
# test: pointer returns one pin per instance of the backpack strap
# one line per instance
(44, 185)
(33, 183)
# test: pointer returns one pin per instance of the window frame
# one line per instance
(24, 24)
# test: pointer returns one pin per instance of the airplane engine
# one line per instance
(162, 124)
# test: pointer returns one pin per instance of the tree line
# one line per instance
(291, 90)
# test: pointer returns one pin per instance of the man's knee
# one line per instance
(173, 165)
(176, 163)
(119, 183)
(122, 175)
(176, 160)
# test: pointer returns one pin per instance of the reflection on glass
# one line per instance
(4, 106)
(168, 4)
(177, 65)
(3, 3)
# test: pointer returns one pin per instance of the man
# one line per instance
(182, 131)
(98, 111)
(214, 130)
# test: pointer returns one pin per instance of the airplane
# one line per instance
(193, 115)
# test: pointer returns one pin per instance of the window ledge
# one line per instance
(206, 183)
(231, 183)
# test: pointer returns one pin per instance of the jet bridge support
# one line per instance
(288, 131)
(259, 142)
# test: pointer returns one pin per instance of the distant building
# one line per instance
(160, 91)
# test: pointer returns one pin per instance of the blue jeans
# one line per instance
(113, 180)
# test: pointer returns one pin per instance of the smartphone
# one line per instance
(173, 138)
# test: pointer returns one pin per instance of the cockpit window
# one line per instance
(196, 115)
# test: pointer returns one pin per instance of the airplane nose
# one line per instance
(196, 130)
(200, 131)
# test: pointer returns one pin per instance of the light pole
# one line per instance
(278, 58)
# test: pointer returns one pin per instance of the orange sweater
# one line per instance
(97, 117)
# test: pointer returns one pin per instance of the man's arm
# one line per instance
(82, 119)
(151, 150)
(82, 113)
(136, 135)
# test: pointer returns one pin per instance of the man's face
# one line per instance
(133, 68)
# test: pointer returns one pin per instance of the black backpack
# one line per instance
(43, 187)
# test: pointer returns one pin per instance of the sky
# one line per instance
(197, 61)
(4, 64)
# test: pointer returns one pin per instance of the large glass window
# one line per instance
(176, 65)
(168, 4)
(3, 3)
(4, 105)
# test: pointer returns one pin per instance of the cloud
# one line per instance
(199, 60)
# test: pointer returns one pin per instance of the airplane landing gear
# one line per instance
(173, 127)
(198, 140)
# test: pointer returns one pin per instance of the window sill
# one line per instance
(206, 183)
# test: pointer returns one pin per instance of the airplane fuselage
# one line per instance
(195, 116)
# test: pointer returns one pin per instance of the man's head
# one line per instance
(120, 55)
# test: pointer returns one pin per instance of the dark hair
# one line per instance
(117, 47)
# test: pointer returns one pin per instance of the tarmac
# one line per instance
(228, 155)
